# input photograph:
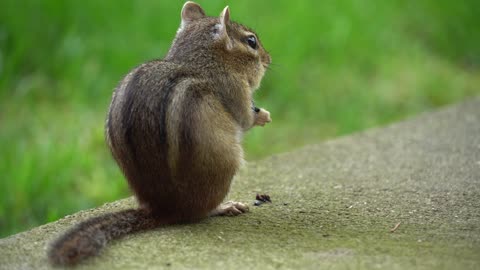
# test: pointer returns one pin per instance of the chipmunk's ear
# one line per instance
(190, 12)
(224, 20)
(222, 29)
(225, 16)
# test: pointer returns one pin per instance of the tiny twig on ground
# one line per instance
(396, 227)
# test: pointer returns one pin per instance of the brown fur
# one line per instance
(175, 128)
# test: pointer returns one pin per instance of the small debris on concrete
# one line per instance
(261, 199)
(396, 227)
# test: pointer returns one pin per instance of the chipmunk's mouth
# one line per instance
(266, 61)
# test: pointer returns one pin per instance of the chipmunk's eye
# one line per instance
(252, 42)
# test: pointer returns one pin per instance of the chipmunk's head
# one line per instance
(232, 46)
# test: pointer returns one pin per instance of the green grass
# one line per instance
(339, 67)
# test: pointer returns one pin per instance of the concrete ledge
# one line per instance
(333, 207)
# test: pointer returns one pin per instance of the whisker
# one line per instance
(272, 67)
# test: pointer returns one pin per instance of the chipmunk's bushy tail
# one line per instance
(89, 237)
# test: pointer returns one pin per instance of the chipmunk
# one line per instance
(175, 127)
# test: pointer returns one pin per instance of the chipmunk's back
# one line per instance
(173, 139)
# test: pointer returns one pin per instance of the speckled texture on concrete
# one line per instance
(333, 207)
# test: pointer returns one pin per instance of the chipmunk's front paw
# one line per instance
(230, 209)
(262, 117)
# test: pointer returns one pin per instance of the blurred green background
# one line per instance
(339, 66)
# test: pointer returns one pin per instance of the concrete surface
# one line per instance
(334, 205)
